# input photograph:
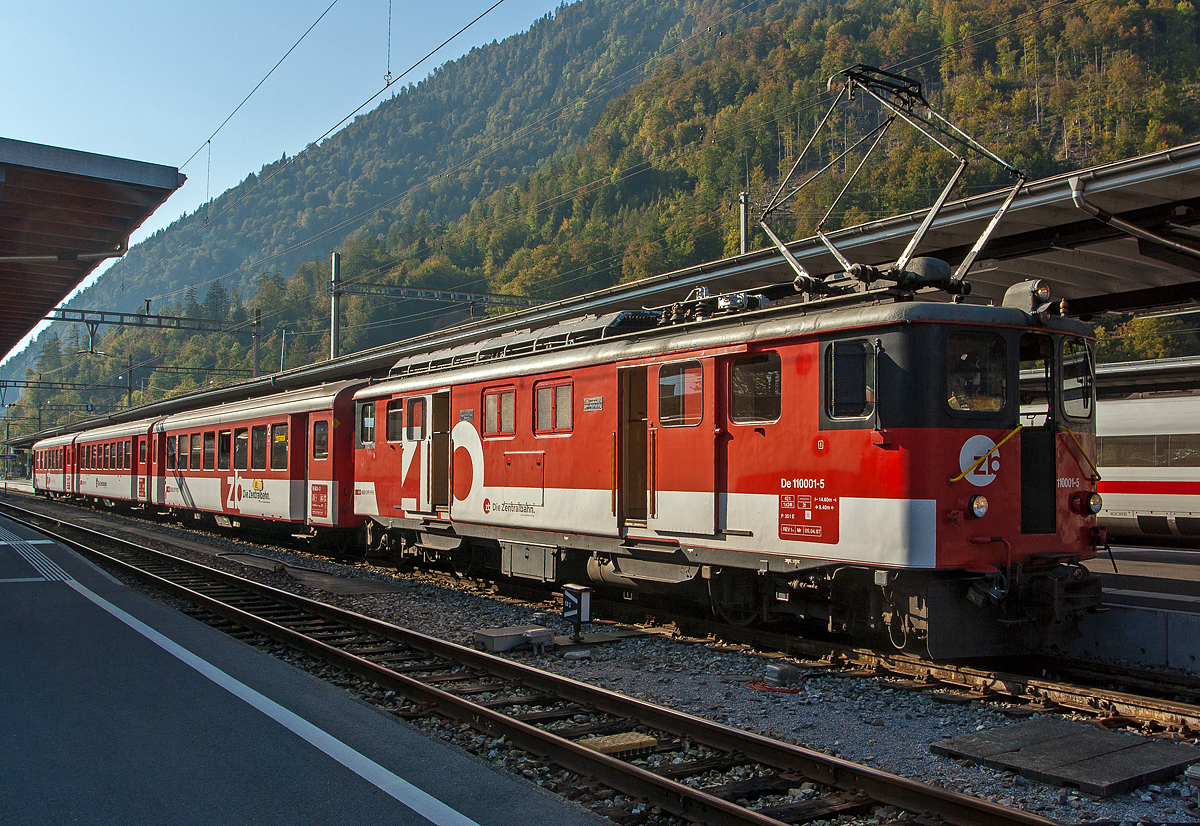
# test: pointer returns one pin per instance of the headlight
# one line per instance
(978, 505)
(1087, 503)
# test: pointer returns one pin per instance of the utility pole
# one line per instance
(335, 303)
(282, 349)
(129, 383)
(744, 221)
(256, 335)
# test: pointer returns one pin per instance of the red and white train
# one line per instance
(867, 461)
(1149, 456)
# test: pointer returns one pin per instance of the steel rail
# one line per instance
(678, 798)
(1170, 714)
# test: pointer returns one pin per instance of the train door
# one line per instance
(440, 451)
(297, 464)
(141, 459)
(1038, 438)
(322, 497)
(632, 447)
(680, 448)
(427, 435)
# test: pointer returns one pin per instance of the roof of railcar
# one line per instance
(281, 404)
(458, 366)
(1149, 416)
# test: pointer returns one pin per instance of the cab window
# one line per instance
(850, 369)
(976, 372)
(680, 394)
(1078, 387)
(756, 388)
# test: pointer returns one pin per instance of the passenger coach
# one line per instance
(281, 458)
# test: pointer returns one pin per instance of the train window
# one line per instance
(680, 394)
(499, 409)
(756, 388)
(241, 448)
(142, 452)
(279, 446)
(197, 450)
(552, 407)
(223, 444)
(976, 372)
(183, 451)
(120, 454)
(395, 420)
(128, 453)
(210, 450)
(416, 420)
(321, 440)
(170, 453)
(851, 372)
(108, 456)
(366, 424)
(258, 447)
(1132, 451)
(1078, 387)
(1183, 450)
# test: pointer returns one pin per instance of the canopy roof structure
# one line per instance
(62, 212)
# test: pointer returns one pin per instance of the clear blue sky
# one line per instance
(151, 81)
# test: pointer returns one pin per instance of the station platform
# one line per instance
(115, 709)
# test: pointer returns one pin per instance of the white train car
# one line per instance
(52, 465)
(1148, 451)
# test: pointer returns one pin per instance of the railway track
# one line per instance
(537, 712)
(1164, 702)
(1122, 695)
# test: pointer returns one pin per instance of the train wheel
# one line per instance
(736, 615)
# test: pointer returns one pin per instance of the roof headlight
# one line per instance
(978, 505)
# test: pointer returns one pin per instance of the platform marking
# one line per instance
(24, 579)
(424, 804)
(45, 566)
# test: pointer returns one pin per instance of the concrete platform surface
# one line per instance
(117, 710)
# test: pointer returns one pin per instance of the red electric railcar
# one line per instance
(869, 462)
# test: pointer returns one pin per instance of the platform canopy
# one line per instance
(62, 213)
(1121, 237)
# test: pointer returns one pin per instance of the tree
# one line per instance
(216, 302)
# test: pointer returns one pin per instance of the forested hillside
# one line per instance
(644, 182)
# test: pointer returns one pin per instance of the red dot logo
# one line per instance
(487, 505)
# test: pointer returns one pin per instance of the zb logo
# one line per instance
(972, 451)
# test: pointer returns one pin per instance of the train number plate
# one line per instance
(808, 516)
